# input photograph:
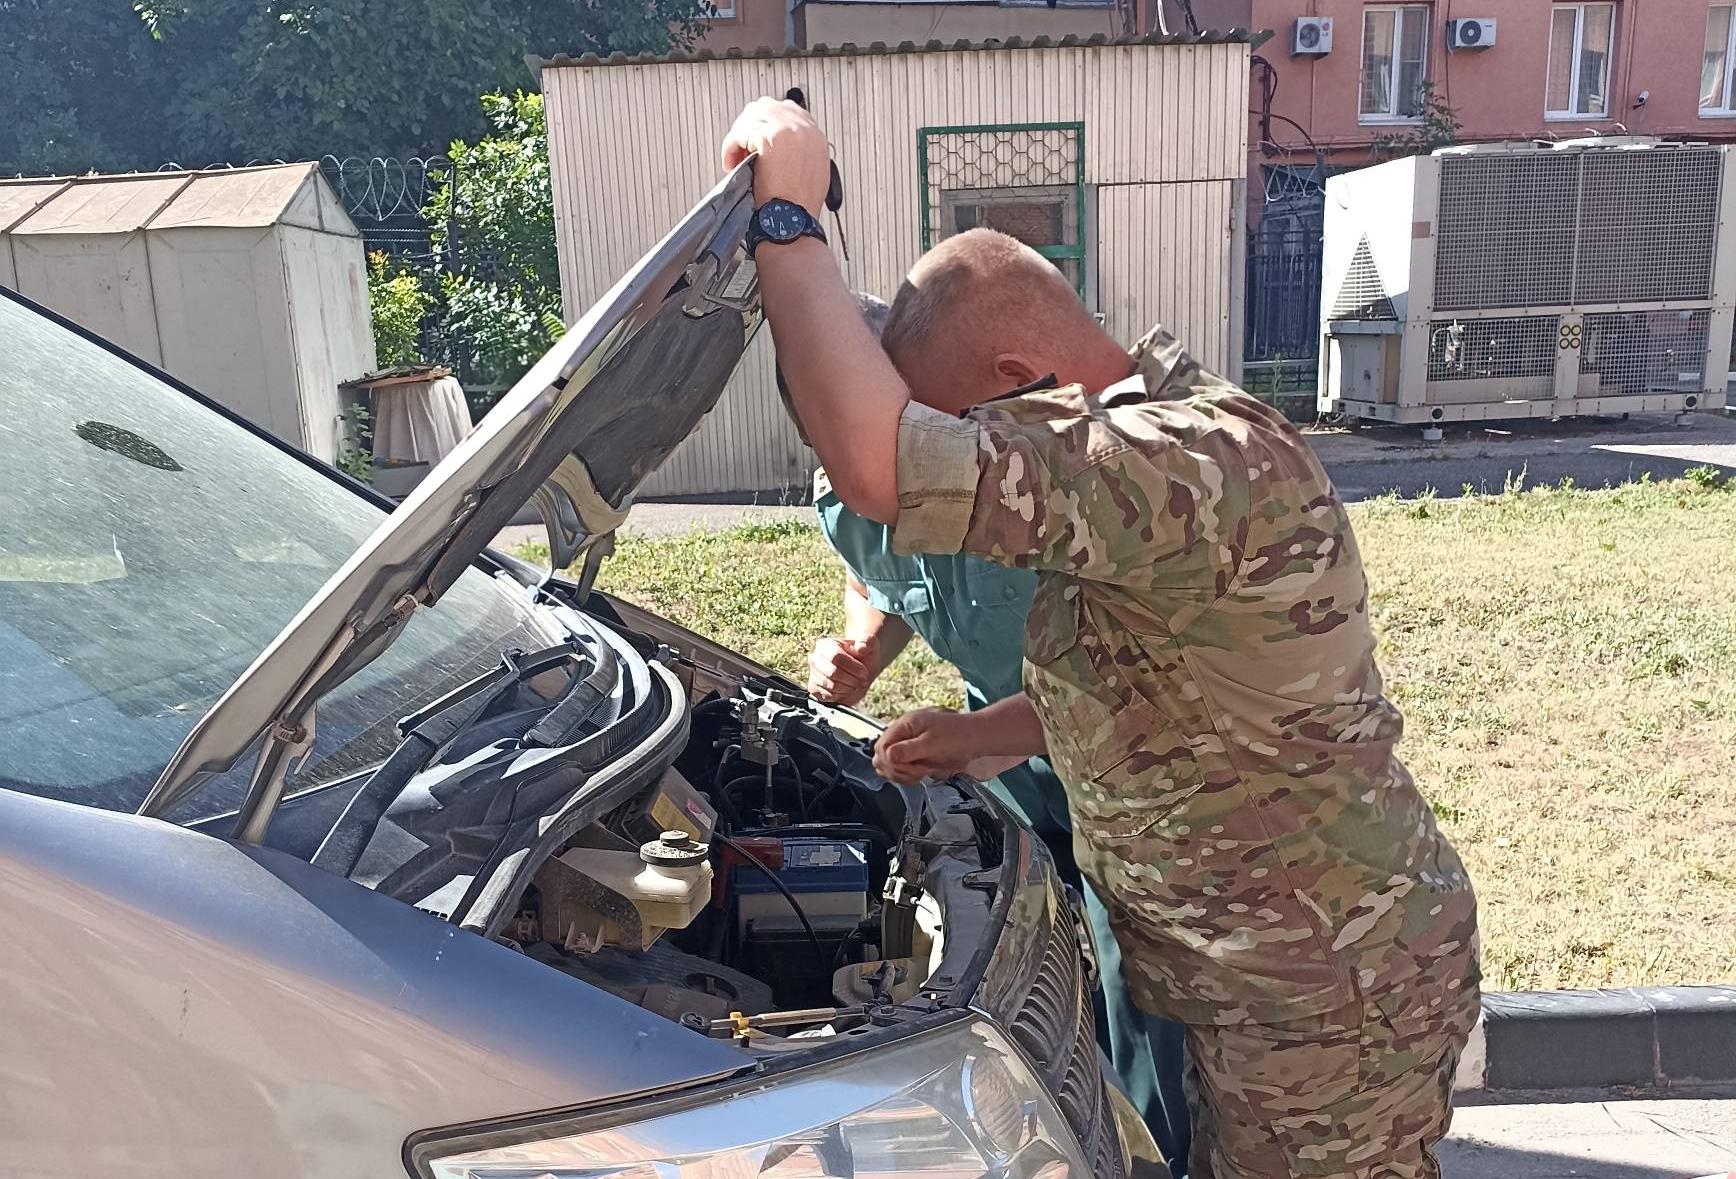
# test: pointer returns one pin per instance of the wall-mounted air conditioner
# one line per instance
(1473, 33)
(1312, 36)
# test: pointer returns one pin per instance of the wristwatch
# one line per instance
(780, 222)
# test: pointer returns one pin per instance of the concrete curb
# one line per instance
(1643, 1036)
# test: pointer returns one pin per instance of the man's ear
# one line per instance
(1015, 370)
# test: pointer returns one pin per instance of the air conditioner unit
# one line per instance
(1531, 281)
(1312, 36)
(1475, 33)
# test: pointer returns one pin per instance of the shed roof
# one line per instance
(233, 198)
(880, 48)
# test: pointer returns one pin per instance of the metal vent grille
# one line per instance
(1362, 295)
(1534, 229)
(1648, 223)
(1504, 232)
(1478, 349)
(1645, 351)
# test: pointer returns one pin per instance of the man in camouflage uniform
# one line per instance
(971, 613)
(1200, 658)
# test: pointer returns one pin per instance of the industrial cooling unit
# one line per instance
(1522, 280)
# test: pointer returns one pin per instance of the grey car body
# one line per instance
(298, 957)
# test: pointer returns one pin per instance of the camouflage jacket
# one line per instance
(1200, 653)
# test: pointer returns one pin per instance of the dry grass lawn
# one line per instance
(1567, 664)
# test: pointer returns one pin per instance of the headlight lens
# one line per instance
(958, 1102)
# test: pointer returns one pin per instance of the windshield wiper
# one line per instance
(428, 734)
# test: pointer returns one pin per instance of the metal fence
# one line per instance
(386, 197)
(1282, 325)
(1283, 315)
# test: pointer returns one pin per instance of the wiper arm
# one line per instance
(428, 733)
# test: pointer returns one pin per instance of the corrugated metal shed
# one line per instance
(1160, 122)
(250, 284)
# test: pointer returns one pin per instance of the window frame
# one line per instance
(723, 10)
(1728, 108)
(1578, 55)
(1083, 254)
(1401, 14)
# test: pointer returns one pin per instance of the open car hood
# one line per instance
(576, 435)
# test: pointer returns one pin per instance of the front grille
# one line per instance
(1056, 1028)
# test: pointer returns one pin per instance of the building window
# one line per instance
(1581, 37)
(722, 9)
(1715, 90)
(1395, 62)
(1024, 179)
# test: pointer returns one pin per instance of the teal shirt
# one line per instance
(971, 612)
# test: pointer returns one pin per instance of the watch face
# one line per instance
(782, 221)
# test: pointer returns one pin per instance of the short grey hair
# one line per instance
(945, 303)
(875, 312)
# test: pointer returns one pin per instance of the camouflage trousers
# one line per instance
(1363, 1092)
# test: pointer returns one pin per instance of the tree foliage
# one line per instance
(493, 220)
(1437, 125)
(398, 301)
(115, 84)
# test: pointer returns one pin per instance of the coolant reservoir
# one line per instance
(593, 897)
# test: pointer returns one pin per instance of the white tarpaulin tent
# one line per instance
(249, 284)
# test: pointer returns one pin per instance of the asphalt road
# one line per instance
(1592, 454)
(1363, 464)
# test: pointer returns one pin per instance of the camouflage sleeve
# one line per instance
(1092, 496)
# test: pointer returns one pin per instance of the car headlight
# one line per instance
(957, 1102)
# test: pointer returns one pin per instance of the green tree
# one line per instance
(70, 85)
(398, 302)
(1437, 125)
(135, 83)
(493, 220)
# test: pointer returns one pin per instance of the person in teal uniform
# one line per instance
(971, 612)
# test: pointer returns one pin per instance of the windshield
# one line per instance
(149, 549)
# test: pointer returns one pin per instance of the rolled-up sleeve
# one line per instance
(1081, 495)
(938, 473)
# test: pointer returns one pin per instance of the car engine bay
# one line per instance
(770, 887)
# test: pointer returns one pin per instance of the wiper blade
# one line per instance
(565, 720)
(428, 733)
(513, 668)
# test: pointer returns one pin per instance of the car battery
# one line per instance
(828, 878)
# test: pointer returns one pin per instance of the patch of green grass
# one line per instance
(1706, 477)
(1566, 661)
(768, 590)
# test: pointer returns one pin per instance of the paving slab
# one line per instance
(1592, 1136)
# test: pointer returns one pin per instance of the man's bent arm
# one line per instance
(862, 621)
(1010, 727)
(849, 396)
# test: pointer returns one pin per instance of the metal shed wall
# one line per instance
(633, 145)
(250, 284)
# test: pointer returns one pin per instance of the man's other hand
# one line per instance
(793, 162)
(840, 671)
(927, 743)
